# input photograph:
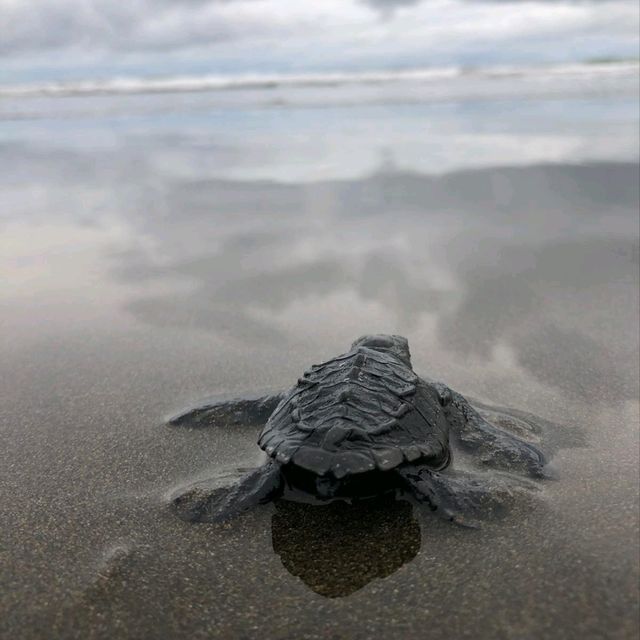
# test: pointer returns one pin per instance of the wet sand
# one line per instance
(152, 260)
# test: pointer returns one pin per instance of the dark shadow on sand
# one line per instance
(338, 548)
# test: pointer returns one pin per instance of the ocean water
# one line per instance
(159, 246)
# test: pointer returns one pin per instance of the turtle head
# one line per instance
(396, 345)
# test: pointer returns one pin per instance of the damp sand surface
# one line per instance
(157, 250)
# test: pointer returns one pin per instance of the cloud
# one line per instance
(139, 25)
(280, 35)
(100, 24)
(391, 5)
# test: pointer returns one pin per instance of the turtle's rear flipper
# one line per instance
(202, 504)
(461, 497)
(223, 413)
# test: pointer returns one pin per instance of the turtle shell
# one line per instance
(361, 411)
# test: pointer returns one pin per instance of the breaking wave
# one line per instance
(182, 84)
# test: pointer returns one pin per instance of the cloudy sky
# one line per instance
(72, 39)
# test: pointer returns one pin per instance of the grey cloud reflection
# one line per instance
(496, 234)
(229, 302)
(552, 304)
(578, 363)
(532, 257)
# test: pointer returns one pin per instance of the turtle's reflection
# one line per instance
(338, 548)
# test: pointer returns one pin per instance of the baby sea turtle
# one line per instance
(364, 423)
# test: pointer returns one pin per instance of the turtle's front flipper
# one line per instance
(243, 411)
(202, 504)
(493, 446)
(461, 497)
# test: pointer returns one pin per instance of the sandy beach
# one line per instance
(159, 249)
